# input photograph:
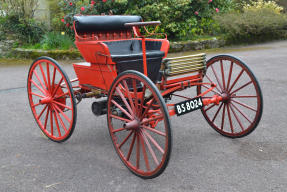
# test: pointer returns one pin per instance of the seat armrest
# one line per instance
(137, 24)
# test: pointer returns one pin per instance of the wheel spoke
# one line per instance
(55, 91)
(223, 116)
(154, 130)
(35, 105)
(51, 119)
(151, 119)
(135, 95)
(61, 121)
(44, 77)
(142, 101)
(53, 81)
(222, 73)
(48, 75)
(211, 82)
(46, 118)
(235, 81)
(120, 118)
(138, 152)
(62, 105)
(230, 120)
(217, 113)
(229, 76)
(37, 76)
(122, 109)
(244, 96)
(236, 117)
(154, 142)
(217, 79)
(60, 96)
(118, 130)
(211, 90)
(125, 140)
(241, 87)
(64, 115)
(125, 101)
(144, 152)
(129, 96)
(244, 105)
(57, 124)
(213, 105)
(147, 108)
(38, 95)
(38, 87)
(243, 114)
(131, 147)
(38, 117)
(149, 147)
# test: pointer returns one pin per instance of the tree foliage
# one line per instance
(181, 19)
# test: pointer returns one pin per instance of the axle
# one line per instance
(215, 99)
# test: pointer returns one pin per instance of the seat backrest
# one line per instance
(106, 27)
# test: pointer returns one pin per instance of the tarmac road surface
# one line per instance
(202, 159)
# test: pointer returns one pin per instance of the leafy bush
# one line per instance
(56, 15)
(258, 21)
(181, 19)
(272, 6)
(17, 19)
(27, 31)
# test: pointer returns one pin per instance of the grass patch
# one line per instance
(53, 41)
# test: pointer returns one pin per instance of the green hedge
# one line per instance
(258, 21)
(181, 19)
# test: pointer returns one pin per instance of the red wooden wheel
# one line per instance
(139, 125)
(240, 111)
(51, 99)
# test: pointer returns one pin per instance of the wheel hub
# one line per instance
(46, 100)
(134, 124)
(225, 97)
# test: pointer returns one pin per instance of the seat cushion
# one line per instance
(137, 56)
(95, 23)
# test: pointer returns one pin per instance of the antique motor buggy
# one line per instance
(134, 84)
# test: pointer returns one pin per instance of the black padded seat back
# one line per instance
(153, 45)
(128, 47)
(127, 54)
(124, 47)
(95, 23)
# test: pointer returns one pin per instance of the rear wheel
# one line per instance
(51, 99)
(139, 124)
(241, 108)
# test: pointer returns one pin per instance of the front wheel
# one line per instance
(241, 108)
(139, 124)
(51, 99)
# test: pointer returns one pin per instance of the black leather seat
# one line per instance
(95, 23)
(127, 54)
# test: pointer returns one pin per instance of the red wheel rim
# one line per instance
(240, 111)
(139, 125)
(51, 99)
